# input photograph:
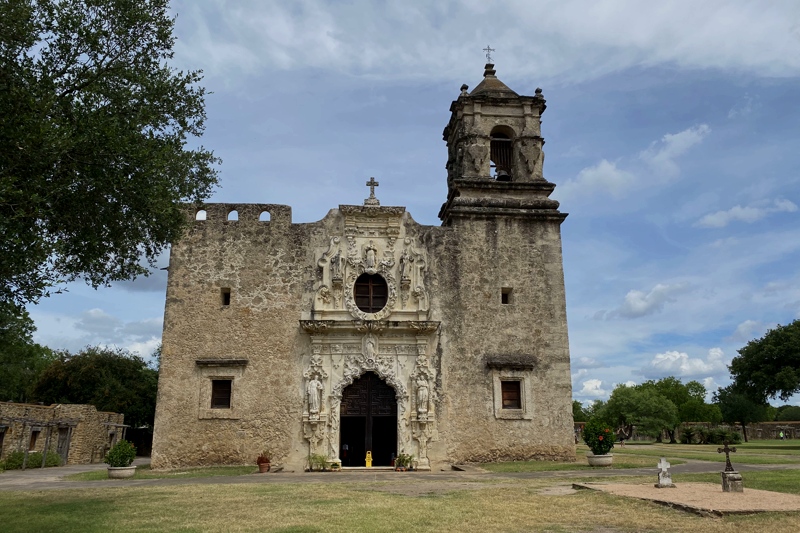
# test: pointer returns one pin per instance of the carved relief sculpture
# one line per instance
(313, 391)
(422, 398)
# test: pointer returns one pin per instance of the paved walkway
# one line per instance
(53, 478)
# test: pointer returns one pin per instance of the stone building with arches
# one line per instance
(366, 331)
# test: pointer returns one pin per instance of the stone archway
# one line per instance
(368, 421)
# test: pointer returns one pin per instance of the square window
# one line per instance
(226, 296)
(221, 393)
(512, 397)
(505, 295)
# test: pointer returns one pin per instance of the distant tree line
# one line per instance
(766, 368)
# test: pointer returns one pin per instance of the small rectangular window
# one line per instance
(221, 393)
(512, 399)
(505, 295)
(226, 296)
(34, 436)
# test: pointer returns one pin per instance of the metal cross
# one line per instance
(663, 464)
(727, 451)
(488, 51)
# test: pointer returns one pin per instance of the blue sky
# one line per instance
(672, 136)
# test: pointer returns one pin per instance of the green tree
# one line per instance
(94, 162)
(739, 407)
(642, 407)
(110, 379)
(699, 411)
(790, 414)
(769, 366)
(578, 414)
(21, 360)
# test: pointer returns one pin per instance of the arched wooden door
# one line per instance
(368, 422)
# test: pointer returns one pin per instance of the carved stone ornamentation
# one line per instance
(316, 327)
(356, 365)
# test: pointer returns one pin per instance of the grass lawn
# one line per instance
(144, 472)
(753, 454)
(620, 462)
(440, 506)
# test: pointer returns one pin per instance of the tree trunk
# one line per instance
(744, 432)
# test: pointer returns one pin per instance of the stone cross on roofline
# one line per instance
(372, 200)
(727, 451)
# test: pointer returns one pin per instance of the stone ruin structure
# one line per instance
(80, 434)
(366, 331)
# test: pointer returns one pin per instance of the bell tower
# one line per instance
(495, 155)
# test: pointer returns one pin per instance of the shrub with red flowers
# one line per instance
(598, 436)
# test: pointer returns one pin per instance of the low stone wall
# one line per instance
(79, 433)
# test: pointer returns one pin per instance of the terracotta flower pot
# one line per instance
(263, 468)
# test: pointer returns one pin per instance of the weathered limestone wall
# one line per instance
(480, 257)
(86, 433)
(265, 265)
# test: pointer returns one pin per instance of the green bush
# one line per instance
(318, 462)
(121, 454)
(720, 435)
(598, 436)
(14, 460)
(687, 435)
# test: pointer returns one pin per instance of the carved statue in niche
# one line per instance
(405, 267)
(475, 156)
(313, 391)
(532, 157)
(336, 261)
(370, 258)
(370, 347)
(422, 397)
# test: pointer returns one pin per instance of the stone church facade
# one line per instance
(366, 331)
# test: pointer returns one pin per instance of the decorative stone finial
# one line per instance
(464, 88)
(372, 200)
(489, 70)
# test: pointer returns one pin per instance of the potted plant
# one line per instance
(264, 461)
(599, 437)
(403, 462)
(119, 459)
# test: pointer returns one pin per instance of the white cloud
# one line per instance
(711, 387)
(638, 303)
(586, 362)
(603, 177)
(576, 40)
(744, 107)
(748, 214)
(661, 155)
(593, 388)
(747, 331)
(679, 364)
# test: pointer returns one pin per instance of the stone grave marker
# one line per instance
(664, 477)
(731, 479)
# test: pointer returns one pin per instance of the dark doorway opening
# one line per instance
(368, 422)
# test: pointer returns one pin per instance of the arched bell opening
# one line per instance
(368, 422)
(501, 152)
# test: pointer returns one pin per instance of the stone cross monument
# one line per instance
(731, 479)
(664, 477)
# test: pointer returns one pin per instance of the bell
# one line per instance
(503, 175)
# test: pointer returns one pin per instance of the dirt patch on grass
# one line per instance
(703, 498)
